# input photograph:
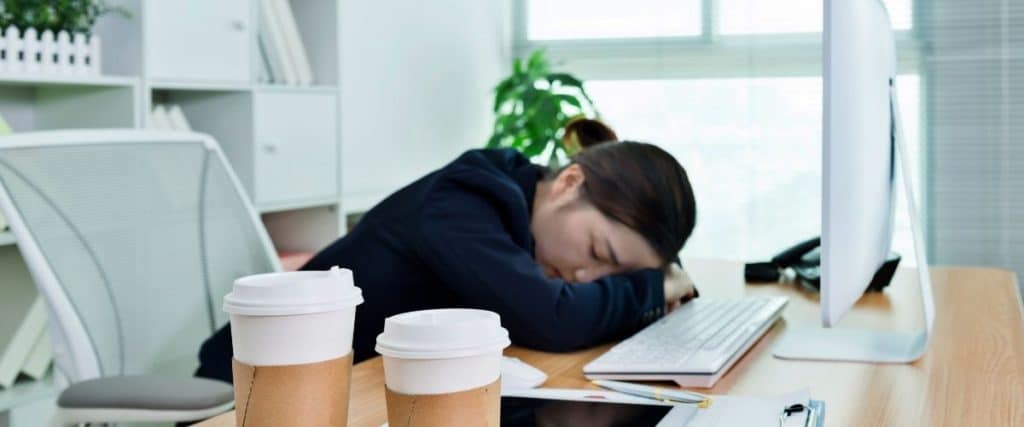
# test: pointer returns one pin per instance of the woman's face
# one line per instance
(578, 243)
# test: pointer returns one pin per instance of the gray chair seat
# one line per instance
(149, 392)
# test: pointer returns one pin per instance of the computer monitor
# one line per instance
(862, 142)
(858, 151)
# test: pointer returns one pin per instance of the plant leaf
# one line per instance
(530, 97)
(569, 80)
(520, 141)
(534, 148)
(533, 105)
(565, 79)
(537, 64)
(508, 123)
(590, 102)
(494, 141)
(503, 92)
(569, 99)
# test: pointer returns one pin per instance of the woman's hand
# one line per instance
(678, 288)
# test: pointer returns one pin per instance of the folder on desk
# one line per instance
(756, 411)
(819, 408)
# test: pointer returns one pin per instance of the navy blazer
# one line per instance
(460, 237)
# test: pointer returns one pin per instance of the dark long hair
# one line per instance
(643, 187)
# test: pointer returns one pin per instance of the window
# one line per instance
(600, 19)
(752, 148)
(604, 19)
(742, 114)
(796, 16)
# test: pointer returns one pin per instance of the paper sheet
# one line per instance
(749, 411)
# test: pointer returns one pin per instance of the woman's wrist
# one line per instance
(678, 287)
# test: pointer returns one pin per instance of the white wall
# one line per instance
(416, 87)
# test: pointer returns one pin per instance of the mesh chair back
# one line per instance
(134, 238)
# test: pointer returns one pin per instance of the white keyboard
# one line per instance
(693, 345)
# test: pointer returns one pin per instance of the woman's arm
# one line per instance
(464, 243)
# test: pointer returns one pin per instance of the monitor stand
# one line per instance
(866, 345)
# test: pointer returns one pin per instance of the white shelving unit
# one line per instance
(52, 102)
(6, 238)
(25, 393)
(283, 141)
(60, 80)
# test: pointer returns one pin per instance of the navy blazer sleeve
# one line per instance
(463, 241)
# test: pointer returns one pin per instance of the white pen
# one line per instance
(656, 393)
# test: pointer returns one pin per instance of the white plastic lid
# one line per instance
(291, 293)
(442, 334)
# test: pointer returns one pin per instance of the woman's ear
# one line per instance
(568, 181)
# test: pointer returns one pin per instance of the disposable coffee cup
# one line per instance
(443, 367)
(292, 340)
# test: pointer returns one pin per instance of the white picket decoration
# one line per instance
(79, 63)
(30, 51)
(64, 50)
(3, 49)
(34, 53)
(12, 55)
(48, 43)
(93, 58)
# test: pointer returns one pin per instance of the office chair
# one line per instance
(133, 238)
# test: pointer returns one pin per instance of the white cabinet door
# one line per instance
(296, 147)
(198, 40)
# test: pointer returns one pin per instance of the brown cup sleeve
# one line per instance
(479, 406)
(292, 395)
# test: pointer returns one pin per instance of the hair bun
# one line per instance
(582, 133)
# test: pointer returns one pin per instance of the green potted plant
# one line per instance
(73, 16)
(532, 107)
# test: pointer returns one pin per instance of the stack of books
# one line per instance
(283, 55)
(168, 117)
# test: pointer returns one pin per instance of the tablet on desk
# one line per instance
(601, 408)
(591, 408)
